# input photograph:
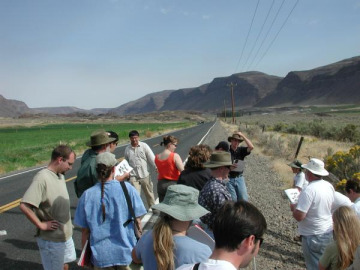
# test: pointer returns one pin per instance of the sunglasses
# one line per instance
(174, 144)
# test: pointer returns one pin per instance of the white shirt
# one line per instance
(210, 264)
(300, 181)
(356, 207)
(340, 200)
(316, 201)
(139, 157)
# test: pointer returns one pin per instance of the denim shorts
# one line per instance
(55, 254)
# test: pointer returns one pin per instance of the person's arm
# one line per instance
(150, 156)
(85, 233)
(51, 225)
(249, 144)
(134, 257)
(178, 162)
(299, 215)
(123, 177)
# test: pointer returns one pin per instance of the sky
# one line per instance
(104, 53)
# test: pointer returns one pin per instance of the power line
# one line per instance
(282, 26)
(272, 23)
(247, 36)
(262, 27)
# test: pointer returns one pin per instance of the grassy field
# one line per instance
(23, 147)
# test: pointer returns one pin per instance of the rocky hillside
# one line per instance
(12, 108)
(250, 88)
(338, 83)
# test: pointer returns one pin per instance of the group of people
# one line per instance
(109, 208)
(328, 221)
(210, 191)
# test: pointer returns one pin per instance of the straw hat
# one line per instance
(181, 202)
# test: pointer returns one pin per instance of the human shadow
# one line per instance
(10, 264)
(22, 244)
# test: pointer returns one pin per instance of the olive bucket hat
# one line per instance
(295, 164)
(181, 202)
(218, 159)
(99, 137)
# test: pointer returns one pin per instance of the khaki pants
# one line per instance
(146, 185)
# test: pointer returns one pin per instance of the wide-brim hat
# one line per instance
(235, 137)
(218, 159)
(181, 202)
(99, 137)
(295, 164)
(316, 166)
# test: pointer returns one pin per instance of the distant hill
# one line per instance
(337, 83)
(12, 108)
(250, 87)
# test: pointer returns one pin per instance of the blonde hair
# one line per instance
(347, 235)
(164, 243)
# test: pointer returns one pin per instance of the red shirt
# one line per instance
(167, 168)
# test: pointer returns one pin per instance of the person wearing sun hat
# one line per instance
(236, 184)
(313, 213)
(299, 177)
(214, 194)
(166, 246)
(86, 177)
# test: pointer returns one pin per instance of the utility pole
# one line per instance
(231, 85)
(224, 111)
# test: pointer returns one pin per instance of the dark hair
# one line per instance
(353, 184)
(134, 133)
(62, 151)
(113, 134)
(169, 139)
(236, 221)
(222, 145)
(198, 154)
(103, 173)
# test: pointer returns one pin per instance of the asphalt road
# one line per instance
(18, 249)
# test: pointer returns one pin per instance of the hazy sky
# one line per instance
(104, 53)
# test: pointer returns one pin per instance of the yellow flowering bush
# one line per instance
(344, 164)
(340, 186)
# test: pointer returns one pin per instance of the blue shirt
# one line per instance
(186, 250)
(213, 195)
(111, 243)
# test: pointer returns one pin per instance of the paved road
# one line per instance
(18, 249)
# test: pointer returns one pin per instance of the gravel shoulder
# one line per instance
(264, 186)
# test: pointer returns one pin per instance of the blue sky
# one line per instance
(104, 53)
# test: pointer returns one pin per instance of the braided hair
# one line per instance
(103, 173)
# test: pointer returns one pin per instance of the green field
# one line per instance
(24, 147)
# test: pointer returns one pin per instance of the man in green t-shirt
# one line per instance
(46, 204)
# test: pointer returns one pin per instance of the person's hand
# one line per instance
(51, 225)
(292, 206)
(240, 134)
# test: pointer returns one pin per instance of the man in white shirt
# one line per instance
(238, 231)
(313, 213)
(352, 189)
(140, 157)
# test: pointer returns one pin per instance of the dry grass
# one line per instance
(282, 147)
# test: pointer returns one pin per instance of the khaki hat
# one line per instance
(218, 159)
(235, 137)
(295, 164)
(316, 166)
(181, 202)
(106, 158)
(99, 137)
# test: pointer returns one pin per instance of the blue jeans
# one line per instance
(313, 247)
(237, 188)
